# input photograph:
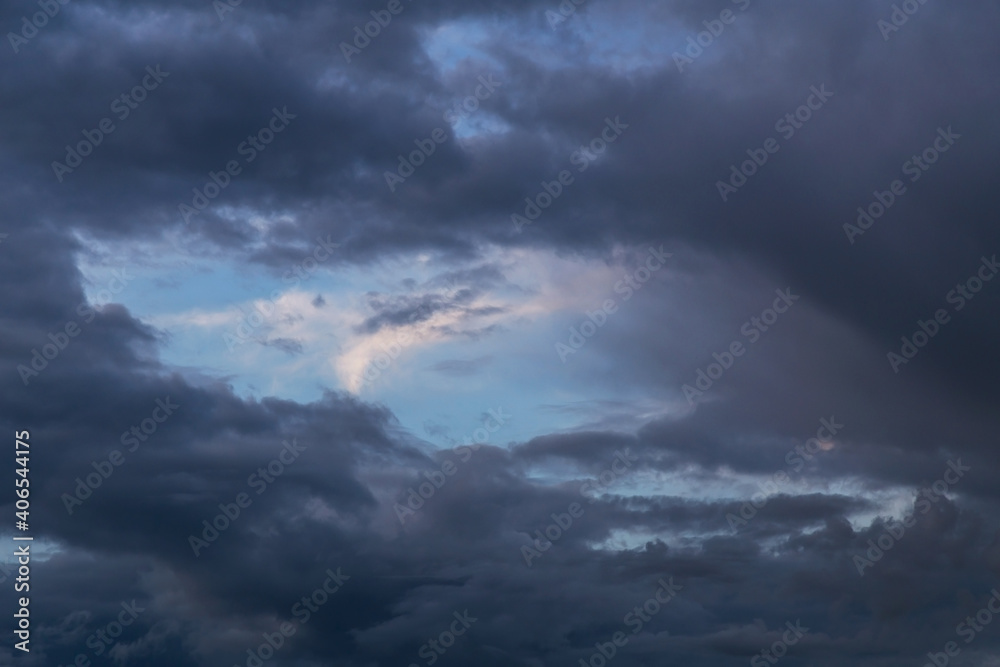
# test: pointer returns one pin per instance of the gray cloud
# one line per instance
(323, 175)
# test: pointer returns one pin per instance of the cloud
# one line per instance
(438, 263)
(461, 367)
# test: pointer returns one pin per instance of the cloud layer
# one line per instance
(779, 466)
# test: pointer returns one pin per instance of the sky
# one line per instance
(500, 332)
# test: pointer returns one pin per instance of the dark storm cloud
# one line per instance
(583, 447)
(198, 117)
(333, 507)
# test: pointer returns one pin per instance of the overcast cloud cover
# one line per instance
(686, 396)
